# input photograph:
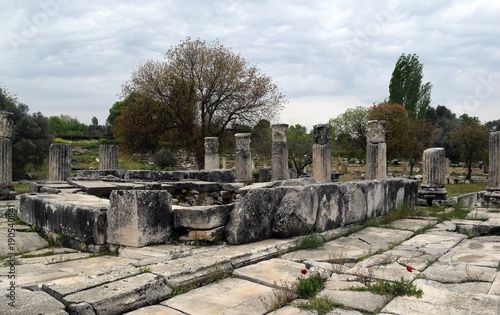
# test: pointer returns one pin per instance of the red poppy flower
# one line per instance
(409, 268)
(303, 271)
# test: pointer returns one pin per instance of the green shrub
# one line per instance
(308, 287)
(165, 158)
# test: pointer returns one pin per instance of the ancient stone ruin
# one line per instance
(376, 150)
(59, 162)
(322, 165)
(243, 157)
(6, 188)
(108, 157)
(279, 159)
(434, 175)
(492, 195)
(211, 153)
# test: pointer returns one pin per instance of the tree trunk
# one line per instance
(469, 171)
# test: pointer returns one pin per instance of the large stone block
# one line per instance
(353, 202)
(297, 211)
(330, 214)
(79, 218)
(139, 217)
(201, 217)
(375, 131)
(376, 161)
(251, 219)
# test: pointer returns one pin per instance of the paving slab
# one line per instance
(359, 300)
(34, 276)
(53, 258)
(123, 295)
(436, 300)
(155, 310)
(495, 286)
(458, 272)
(412, 224)
(24, 242)
(273, 272)
(353, 247)
(164, 252)
(62, 287)
(29, 302)
(229, 296)
(434, 243)
(93, 265)
(193, 270)
(479, 251)
(291, 310)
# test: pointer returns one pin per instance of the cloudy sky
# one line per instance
(68, 57)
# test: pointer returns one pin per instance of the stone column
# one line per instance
(6, 188)
(108, 157)
(433, 175)
(59, 162)
(211, 153)
(279, 159)
(321, 165)
(376, 150)
(492, 195)
(243, 157)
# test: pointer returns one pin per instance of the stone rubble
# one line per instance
(458, 275)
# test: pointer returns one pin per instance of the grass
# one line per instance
(21, 188)
(48, 253)
(441, 213)
(322, 305)
(462, 189)
(401, 287)
(310, 286)
(310, 241)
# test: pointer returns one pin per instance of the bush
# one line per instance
(165, 158)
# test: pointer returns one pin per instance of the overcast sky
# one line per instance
(68, 57)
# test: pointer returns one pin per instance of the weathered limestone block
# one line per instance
(434, 175)
(279, 158)
(139, 217)
(243, 157)
(108, 157)
(5, 163)
(494, 161)
(492, 195)
(201, 217)
(322, 166)
(77, 219)
(251, 219)
(59, 162)
(376, 161)
(329, 215)
(297, 212)
(6, 125)
(121, 296)
(211, 153)
(212, 235)
(375, 131)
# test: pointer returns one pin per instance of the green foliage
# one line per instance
(472, 139)
(349, 132)
(401, 287)
(406, 86)
(261, 140)
(454, 190)
(310, 241)
(321, 305)
(165, 158)
(309, 286)
(31, 136)
(67, 125)
(300, 143)
(444, 122)
(199, 90)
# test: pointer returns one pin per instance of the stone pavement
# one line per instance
(459, 273)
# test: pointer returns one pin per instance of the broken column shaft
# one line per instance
(492, 195)
(6, 188)
(59, 162)
(108, 157)
(321, 157)
(433, 175)
(376, 150)
(243, 157)
(211, 153)
(279, 159)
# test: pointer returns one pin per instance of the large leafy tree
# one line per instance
(300, 144)
(349, 132)
(444, 121)
(472, 138)
(65, 125)
(397, 127)
(406, 86)
(31, 135)
(204, 90)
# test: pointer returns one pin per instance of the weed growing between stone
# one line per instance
(322, 305)
(397, 288)
(309, 286)
(310, 241)
(282, 295)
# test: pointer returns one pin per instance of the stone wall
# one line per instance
(286, 211)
